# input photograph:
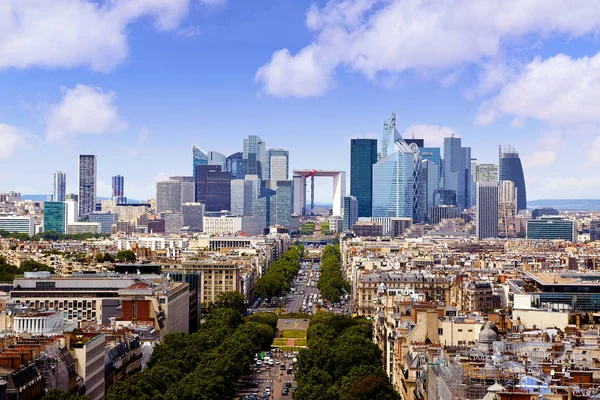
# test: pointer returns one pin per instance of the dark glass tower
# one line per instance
(363, 154)
(213, 187)
(512, 170)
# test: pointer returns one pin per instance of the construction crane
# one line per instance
(311, 175)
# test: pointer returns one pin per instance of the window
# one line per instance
(470, 330)
(440, 331)
(460, 330)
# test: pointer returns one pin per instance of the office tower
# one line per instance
(511, 170)
(363, 154)
(473, 183)
(172, 222)
(213, 188)
(264, 206)
(199, 157)
(188, 188)
(594, 230)
(396, 181)
(444, 198)
(235, 165)
(55, 216)
(419, 142)
(540, 212)
(507, 209)
(430, 183)
(552, 227)
(60, 186)
(118, 190)
(438, 213)
(253, 157)
(242, 194)
(192, 215)
(487, 173)
(168, 196)
(433, 154)
(278, 166)
(388, 139)
(284, 195)
(350, 212)
(256, 186)
(72, 196)
(72, 211)
(87, 184)
(487, 210)
(17, 224)
(106, 220)
(456, 167)
(216, 158)
(299, 195)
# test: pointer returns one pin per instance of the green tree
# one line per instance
(108, 258)
(232, 300)
(56, 394)
(126, 256)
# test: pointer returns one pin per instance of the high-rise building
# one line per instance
(284, 196)
(508, 225)
(55, 216)
(87, 184)
(18, 224)
(199, 157)
(264, 206)
(213, 187)
(457, 171)
(438, 213)
(350, 212)
(187, 188)
(235, 165)
(278, 165)
(595, 230)
(168, 196)
(396, 181)
(419, 142)
(486, 173)
(552, 227)
(216, 158)
(192, 215)
(363, 155)
(487, 210)
(106, 220)
(444, 198)
(433, 154)
(118, 190)
(60, 186)
(388, 139)
(430, 183)
(254, 157)
(242, 194)
(511, 170)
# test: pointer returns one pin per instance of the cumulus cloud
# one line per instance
(559, 90)
(392, 36)
(540, 158)
(83, 110)
(433, 134)
(73, 33)
(10, 139)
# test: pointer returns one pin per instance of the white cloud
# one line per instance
(560, 90)
(433, 134)
(372, 36)
(73, 33)
(213, 3)
(83, 110)
(10, 139)
(593, 152)
(540, 158)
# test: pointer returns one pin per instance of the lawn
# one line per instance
(293, 334)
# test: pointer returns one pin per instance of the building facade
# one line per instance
(242, 194)
(17, 224)
(363, 155)
(511, 170)
(457, 171)
(87, 184)
(350, 212)
(486, 173)
(106, 220)
(487, 210)
(552, 227)
(254, 157)
(55, 216)
(168, 196)
(213, 188)
(60, 186)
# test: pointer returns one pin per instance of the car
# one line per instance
(258, 362)
(282, 367)
(277, 362)
(288, 385)
(285, 392)
(268, 389)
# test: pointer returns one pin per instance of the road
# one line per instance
(274, 377)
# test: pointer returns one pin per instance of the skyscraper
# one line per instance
(199, 157)
(87, 184)
(278, 165)
(213, 187)
(55, 216)
(216, 158)
(188, 185)
(387, 141)
(235, 165)
(512, 170)
(457, 171)
(487, 210)
(118, 189)
(430, 183)
(60, 186)
(507, 209)
(396, 180)
(487, 173)
(168, 196)
(363, 154)
(253, 157)
(350, 212)
(284, 195)
(241, 197)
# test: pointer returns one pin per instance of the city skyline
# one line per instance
(205, 72)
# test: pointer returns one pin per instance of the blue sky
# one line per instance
(137, 82)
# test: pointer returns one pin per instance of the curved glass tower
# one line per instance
(511, 170)
(199, 156)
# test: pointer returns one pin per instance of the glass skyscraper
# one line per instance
(87, 184)
(213, 187)
(60, 186)
(350, 212)
(199, 157)
(235, 165)
(363, 154)
(396, 181)
(55, 216)
(284, 195)
(118, 189)
(457, 171)
(487, 210)
(254, 157)
(278, 165)
(510, 169)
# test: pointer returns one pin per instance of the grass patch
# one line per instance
(291, 333)
(301, 342)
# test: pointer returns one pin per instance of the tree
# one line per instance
(56, 394)
(126, 256)
(108, 258)
(232, 300)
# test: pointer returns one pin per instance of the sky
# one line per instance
(138, 82)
